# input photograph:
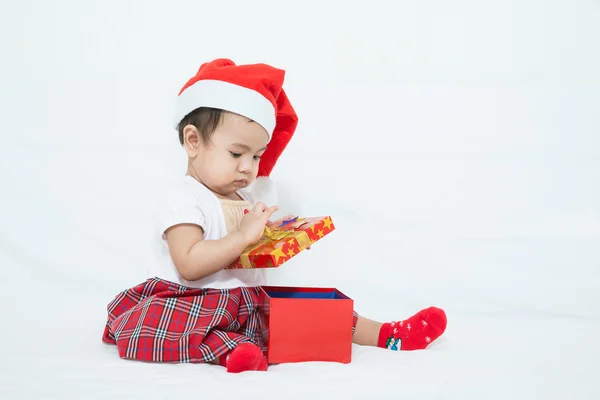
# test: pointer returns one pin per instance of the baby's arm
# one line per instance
(196, 258)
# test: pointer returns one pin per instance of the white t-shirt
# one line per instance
(191, 202)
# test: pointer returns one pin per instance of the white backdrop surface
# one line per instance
(456, 145)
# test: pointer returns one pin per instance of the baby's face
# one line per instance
(230, 161)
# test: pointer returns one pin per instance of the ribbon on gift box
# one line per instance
(276, 234)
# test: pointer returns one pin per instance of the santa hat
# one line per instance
(254, 91)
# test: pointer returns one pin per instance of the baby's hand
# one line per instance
(278, 222)
(253, 223)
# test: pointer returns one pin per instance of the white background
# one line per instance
(456, 145)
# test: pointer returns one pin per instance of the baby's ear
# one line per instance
(191, 140)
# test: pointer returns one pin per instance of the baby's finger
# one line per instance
(269, 211)
(259, 207)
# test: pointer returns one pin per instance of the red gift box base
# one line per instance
(306, 324)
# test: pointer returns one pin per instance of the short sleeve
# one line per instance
(181, 207)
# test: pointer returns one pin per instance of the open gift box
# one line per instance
(306, 324)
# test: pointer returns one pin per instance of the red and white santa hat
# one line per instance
(254, 91)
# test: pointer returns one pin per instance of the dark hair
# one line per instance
(205, 119)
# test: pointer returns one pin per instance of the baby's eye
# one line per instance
(235, 155)
(257, 158)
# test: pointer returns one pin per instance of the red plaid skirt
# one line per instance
(163, 321)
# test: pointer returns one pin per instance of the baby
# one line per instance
(234, 121)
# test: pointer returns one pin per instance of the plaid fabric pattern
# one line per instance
(162, 321)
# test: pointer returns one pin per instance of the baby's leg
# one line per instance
(366, 332)
(414, 333)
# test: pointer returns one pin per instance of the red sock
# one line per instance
(415, 333)
(245, 357)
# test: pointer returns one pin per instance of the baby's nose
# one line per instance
(245, 167)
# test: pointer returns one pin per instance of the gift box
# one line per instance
(282, 241)
(305, 324)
